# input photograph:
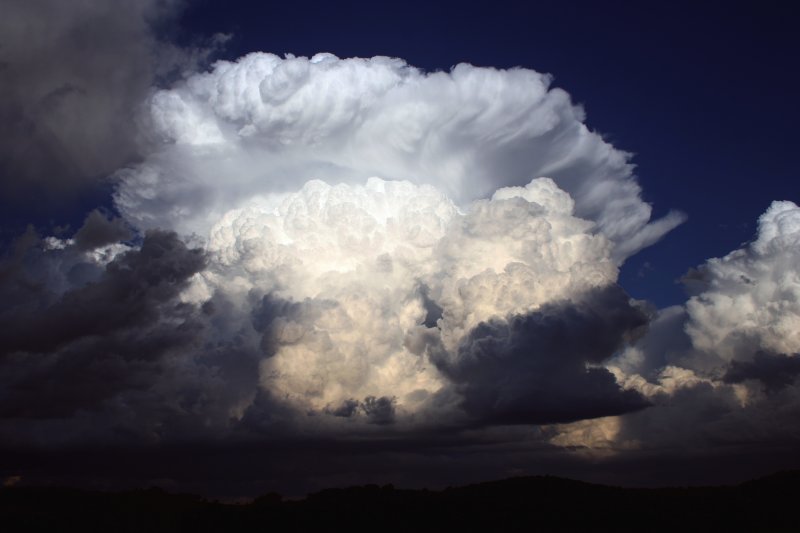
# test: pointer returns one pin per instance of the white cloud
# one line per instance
(266, 125)
(722, 368)
(751, 300)
(364, 265)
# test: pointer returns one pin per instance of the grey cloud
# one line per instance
(98, 230)
(130, 294)
(692, 417)
(433, 311)
(774, 371)
(93, 341)
(696, 280)
(271, 312)
(665, 343)
(379, 410)
(537, 368)
(74, 76)
(346, 409)
(710, 418)
(12, 264)
(122, 359)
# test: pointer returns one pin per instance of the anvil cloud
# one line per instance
(266, 125)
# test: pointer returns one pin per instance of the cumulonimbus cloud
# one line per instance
(354, 280)
(352, 246)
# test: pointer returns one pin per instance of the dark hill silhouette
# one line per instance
(526, 503)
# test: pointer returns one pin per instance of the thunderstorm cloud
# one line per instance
(303, 251)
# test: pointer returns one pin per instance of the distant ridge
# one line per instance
(541, 503)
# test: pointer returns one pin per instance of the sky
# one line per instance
(251, 247)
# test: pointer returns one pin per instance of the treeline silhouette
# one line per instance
(526, 503)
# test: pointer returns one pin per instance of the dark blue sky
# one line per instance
(704, 95)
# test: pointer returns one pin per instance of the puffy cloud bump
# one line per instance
(380, 273)
(751, 299)
(723, 368)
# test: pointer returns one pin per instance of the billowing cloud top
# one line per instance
(751, 299)
(266, 125)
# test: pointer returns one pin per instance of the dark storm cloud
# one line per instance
(537, 368)
(774, 371)
(98, 231)
(93, 341)
(346, 409)
(379, 411)
(714, 420)
(74, 74)
(130, 294)
(119, 357)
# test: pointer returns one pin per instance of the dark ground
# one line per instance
(530, 504)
